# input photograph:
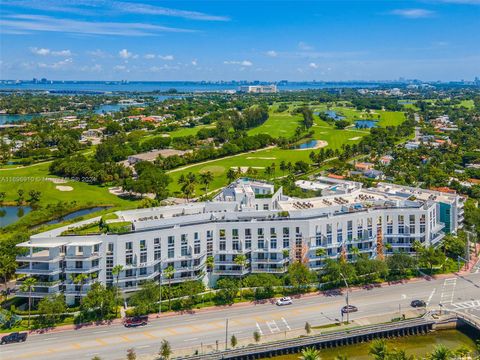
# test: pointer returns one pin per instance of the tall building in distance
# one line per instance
(259, 89)
(248, 217)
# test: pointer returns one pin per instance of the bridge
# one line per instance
(322, 341)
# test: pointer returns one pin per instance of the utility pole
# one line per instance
(160, 296)
(226, 334)
(348, 309)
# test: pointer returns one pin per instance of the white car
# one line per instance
(284, 301)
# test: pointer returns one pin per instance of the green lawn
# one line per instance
(469, 104)
(37, 178)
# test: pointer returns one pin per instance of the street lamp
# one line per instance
(160, 292)
(348, 310)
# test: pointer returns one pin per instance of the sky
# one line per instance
(239, 40)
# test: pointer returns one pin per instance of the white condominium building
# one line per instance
(248, 217)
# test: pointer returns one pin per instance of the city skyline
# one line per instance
(193, 41)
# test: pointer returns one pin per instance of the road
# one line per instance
(194, 330)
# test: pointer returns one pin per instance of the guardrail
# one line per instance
(339, 338)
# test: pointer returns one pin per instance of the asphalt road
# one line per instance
(205, 328)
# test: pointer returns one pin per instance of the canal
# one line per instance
(419, 345)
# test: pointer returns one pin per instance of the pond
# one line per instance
(75, 214)
(365, 124)
(306, 145)
(333, 115)
(10, 214)
(419, 346)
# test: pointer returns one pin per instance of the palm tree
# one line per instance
(310, 353)
(169, 273)
(206, 178)
(165, 350)
(355, 251)
(210, 262)
(241, 260)
(441, 352)
(379, 349)
(80, 280)
(28, 286)
(188, 183)
(231, 175)
(417, 247)
(286, 255)
(116, 271)
(320, 252)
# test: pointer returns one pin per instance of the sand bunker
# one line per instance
(320, 144)
(355, 138)
(261, 158)
(63, 188)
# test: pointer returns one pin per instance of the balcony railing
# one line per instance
(35, 271)
(82, 270)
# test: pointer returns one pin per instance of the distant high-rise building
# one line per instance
(259, 89)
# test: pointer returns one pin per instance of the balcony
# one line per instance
(269, 261)
(82, 270)
(39, 258)
(79, 257)
(269, 270)
(46, 284)
(38, 271)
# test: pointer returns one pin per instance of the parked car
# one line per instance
(418, 303)
(284, 301)
(349, 309)
(13, 338)
(135, 321)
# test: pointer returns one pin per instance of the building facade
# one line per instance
(248, 217)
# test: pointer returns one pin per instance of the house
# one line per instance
(386, 160)
(364, 166)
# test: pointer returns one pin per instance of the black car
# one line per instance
(418, 303)
(349, 309)
(13, 338)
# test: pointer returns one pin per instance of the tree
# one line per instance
(241, 260)
(20, 198)
(431, 257)
(79, 279)
(165, 350)
(116, 271)
(299, 275)
(188, 183)
(51, 308)
(210, 262)
(169, 273)
(355, 251)
(96, 358)
(206, 178)
(441, 352)
(131, 355)
(233, 341)
(308, 328)
(34, 196)
(320, 252)
(379, 349)
(28, 286)
(3, 195)
(310, 353)
(257, 336)
(400, 264)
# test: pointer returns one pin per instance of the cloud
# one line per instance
(125, 54)
(97, 53)
(271, 53)
(45, 52)
(94, 68)
(313, 65)
(94, 8)
(147, 9)
(194, 62)
(234, 62)
(120, 68)
(413, 13)
(56, 65)
(149, 56)
(166, 57)
(304, 46)
(27, 22)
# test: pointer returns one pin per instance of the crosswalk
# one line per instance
(471, 304)
(272, 326)
(448, 291)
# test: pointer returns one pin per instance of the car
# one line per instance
(349, 309)
(418, 303)
(284, 301)
(13, 338)
(135, 321)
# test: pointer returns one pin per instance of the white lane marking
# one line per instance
(471, 304)
(100, 332)
(259, 329)
(192, 339)
(286, 323)
(404, 296)
(144, 346)
(272, 326)
(52, 338)
(431, 296)
(448, 291)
